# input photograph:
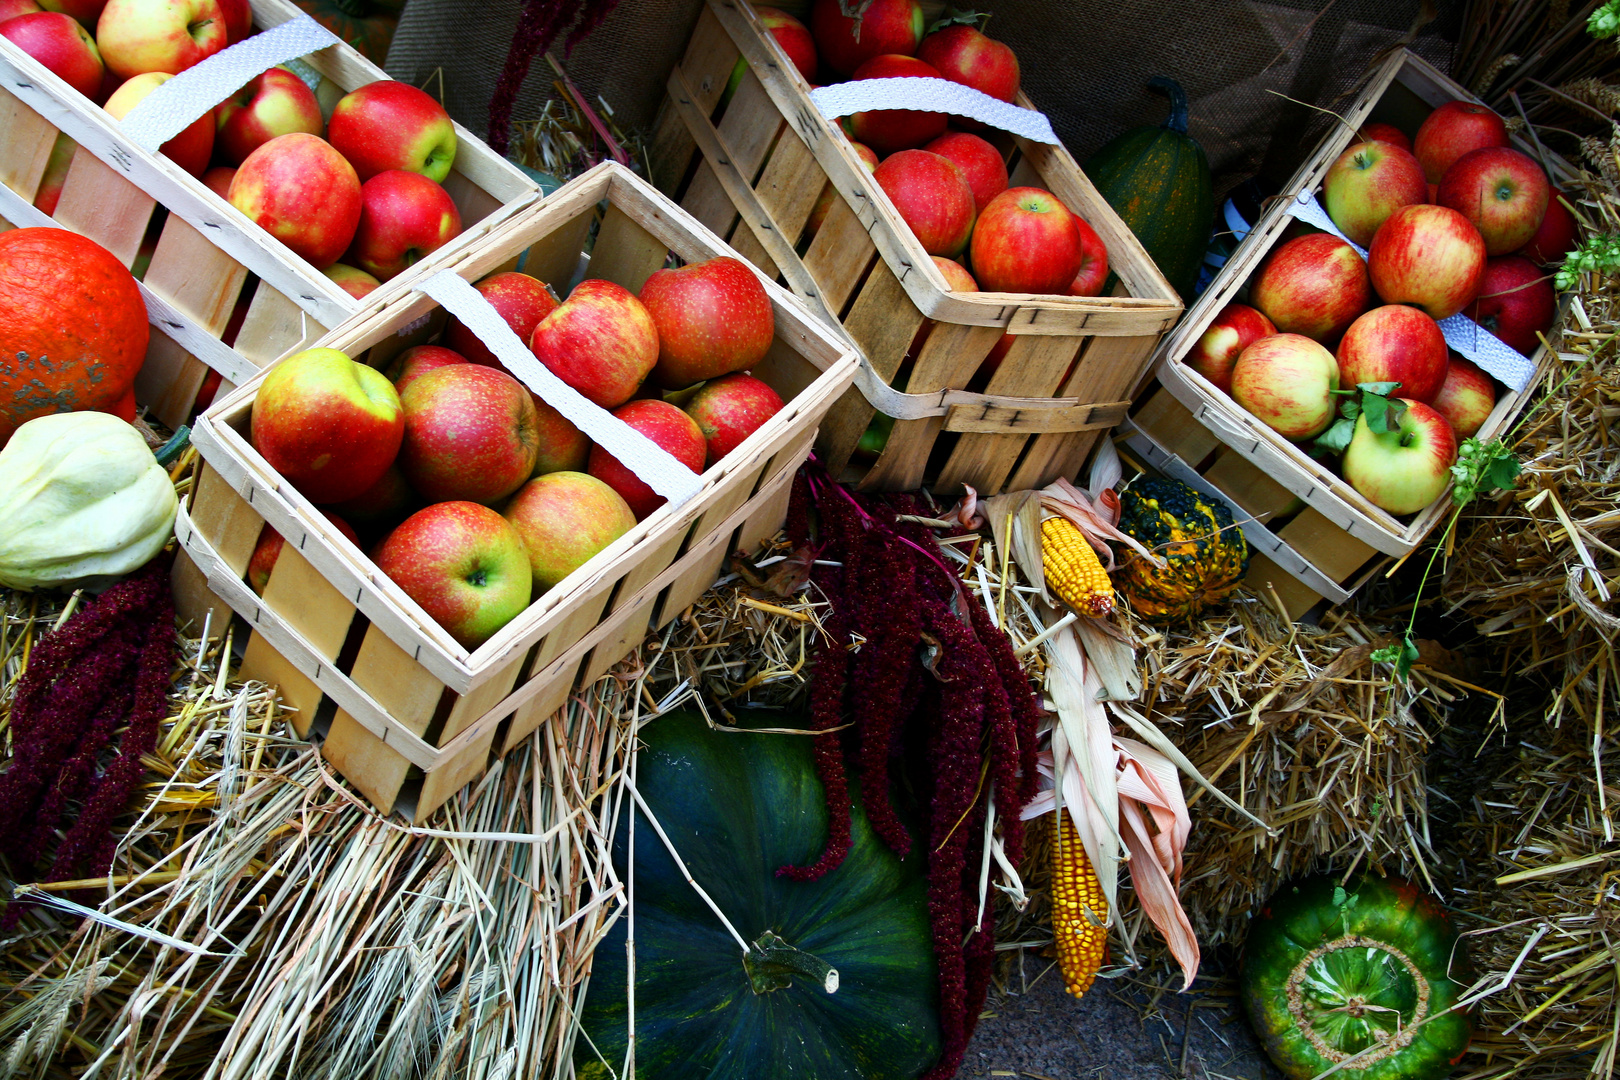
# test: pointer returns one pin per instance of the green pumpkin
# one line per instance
(1331, 971)
(1194, 534)
(738, 807)
(1157, 179)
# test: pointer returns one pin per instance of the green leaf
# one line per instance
(1335, 438)
(1350, 409)
(1599, 253)
(953, 17)
(1403, 656)
(1382, 389)
(1383, 414)
(1605, 21)
(1501, 473)
(1482, 467)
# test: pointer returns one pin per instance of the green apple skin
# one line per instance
(464, 564)
(1405, 470)
(566, 518)
(329, 425)
(1287, 381)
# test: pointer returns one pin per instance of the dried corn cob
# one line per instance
(1073, 570)
(1079, 910)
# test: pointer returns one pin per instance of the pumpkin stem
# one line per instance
(772, 963)
(1177, 120)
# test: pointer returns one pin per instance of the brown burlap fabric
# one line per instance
(1085, 62)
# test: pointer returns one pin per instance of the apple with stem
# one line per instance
(463, 564)
(404, 218)
(1404, 470)
(139, 36)
(275, 102)
(64, 47)
(392, 125)
(1027, 241)
(886, 26)
(1503, 192)
(1369, 182)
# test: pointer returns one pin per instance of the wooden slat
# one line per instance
(274, 327)
(1273, 583)
(1326, 546)
(1033, 367)
(1254, 493)
(1173, 427)
(882, 322)
(553, 257)
(839, 255)
(625, 253)
(707, 64)
(29, 139)
(99, 203)
(747, 130)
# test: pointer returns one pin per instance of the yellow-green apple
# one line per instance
(1556, 236)
(238, 19)
(1384, 133)
(957, 277)
(1394, 343)
(302, 192)
(824, 202)
(713, 318)
(729, 409)
(1451, 131)
(351, 279)
(463, 564)
(601, 341)
(1093, 273)
(392, 125)
(138, 36)
(1234, 329)
(845, 43)
(381, 504)
(192, 148)
(1515, 302)
(404, 217)
(88, 12)
(417, 361)
(563, 447)
(1369, 182)
(58, 42)
(665, 425)
(964, 55)
(565, 519)
(1287, 382)
(1428, 256)
(1313, 285)
(1027, 241)
(520, 299)
(980, 162)
(329, 425)
(49, 192)
(276, 102)
(10, 9)
(1404, 470)
(268, 550)
(469, 434)
(1466, 398)
(888, 130)
(1503, 192)
(218, 180)
(794, 38)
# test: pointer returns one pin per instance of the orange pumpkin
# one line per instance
(73, 329)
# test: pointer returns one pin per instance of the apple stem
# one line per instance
(1407, 438)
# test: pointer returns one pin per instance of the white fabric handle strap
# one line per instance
(175, 106)
(1495, 356)
(651, 463)
(931, 95)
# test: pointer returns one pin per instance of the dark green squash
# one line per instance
(738, 807)
(1331, 971)
(1156, 178)
(1194, 534)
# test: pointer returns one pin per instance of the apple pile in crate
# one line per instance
(479, 495)
(358, 197)
(1453, 221)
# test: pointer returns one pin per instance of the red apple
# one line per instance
(1405, 470)
(665, 425)
(1236, 328)
(385, 501)
(87, 12)
(1027, 241)
(964, 55)
(956, 275)
(329, 425)
(1466, 398)
(794, 38)
(192, 148)
(138, 36)
(469, 434)
(888, 130)
(10, 9)
(562, 446)
(49, 192)
(302, 192)
(520, 299)
(1394, 343)
(844, 44)
(58, 42)
(565, 519)
(1313, 285)
(729, 409)
(824, 202)
(1287, 381)
(1093, 272)
(713, 318)
(1503, 192)
(932, 196)
(1369, 182)
(404, 217)
(1428, 256)
(1515, 302)
(276, 102)
(351, 279)
(1451, 131)
(980, 162)
(238, 19)
(463, 564)
(392, 125)
(268, 550)
(1556, 236)
(601, 341)
(417, 361)
(1384, 133)
(218, 180)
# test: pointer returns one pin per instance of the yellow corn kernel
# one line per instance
(1073, 570)
(1079, 910)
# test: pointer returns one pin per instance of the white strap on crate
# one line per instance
(651, 463)
(931, 95)
(1463, 334)
(175, 106)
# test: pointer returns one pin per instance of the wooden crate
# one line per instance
(416, 715)
(209, 256)
(1318, 537)
(753, 175)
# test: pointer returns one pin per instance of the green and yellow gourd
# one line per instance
(1194, 534)
(1156, 178)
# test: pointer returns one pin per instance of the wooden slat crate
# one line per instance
(416, 715)
(209, 256)
(1318, 537)
(753, 175)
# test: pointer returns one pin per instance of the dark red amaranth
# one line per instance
(538, 25)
